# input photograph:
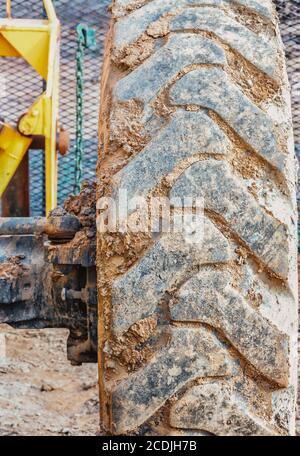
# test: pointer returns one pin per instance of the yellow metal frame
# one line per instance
(37, 42)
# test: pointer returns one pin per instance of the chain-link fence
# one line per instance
(93, 13)
(23, 84)
(289, 14)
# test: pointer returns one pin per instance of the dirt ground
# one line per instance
(41, 393)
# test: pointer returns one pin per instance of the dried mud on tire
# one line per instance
(195, 102)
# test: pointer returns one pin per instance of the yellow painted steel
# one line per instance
(37, 42)
(12, 150)
(8, 8)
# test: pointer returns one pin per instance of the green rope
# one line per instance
(86, 40)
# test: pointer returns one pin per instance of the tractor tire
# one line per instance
(197, 338)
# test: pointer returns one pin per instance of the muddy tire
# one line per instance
(197, 338)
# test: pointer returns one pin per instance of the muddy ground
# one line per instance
(40, 392)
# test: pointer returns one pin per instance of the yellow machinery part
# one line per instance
(31, 44)
(37, 42)
(13, 147)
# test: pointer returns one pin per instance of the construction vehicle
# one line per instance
(37, 41)
(192, 338)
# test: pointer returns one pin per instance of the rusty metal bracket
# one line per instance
(47, 282)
